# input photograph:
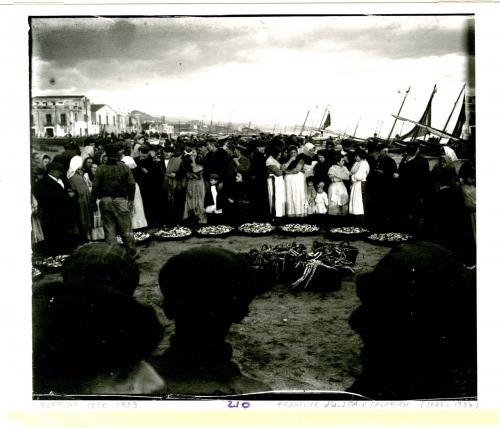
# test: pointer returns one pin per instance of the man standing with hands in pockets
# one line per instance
(114, 186)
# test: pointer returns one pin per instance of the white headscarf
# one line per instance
(309, 149)
(75, 163)
(129, 161)
(448, 151)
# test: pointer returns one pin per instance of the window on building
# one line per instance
(114, 120)
(76, 117)
(100, 120)
(63, 119)
(107, 122)
(48, 119)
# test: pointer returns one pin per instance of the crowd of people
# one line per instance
(90, 335)
(235, 180)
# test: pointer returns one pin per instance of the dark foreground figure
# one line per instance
(205, 291)
(418, 324)
(90, 339)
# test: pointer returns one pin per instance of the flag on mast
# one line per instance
(327, 121)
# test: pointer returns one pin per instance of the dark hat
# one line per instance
(112, 150)
(411, 147)
(145, 148)
(84, 331)
(192, 284)
(168, 148)
(104, 264)
(260, 143)
(55, 166)
(179, 146)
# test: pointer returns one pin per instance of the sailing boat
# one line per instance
(423, 126)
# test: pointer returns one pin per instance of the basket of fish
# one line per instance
(350, 233)
(214, 231)
(50, 264)
(176, 233)
(390, 239)
(299, 229)
(256, 229)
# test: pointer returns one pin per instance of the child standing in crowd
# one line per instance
(213, 199)
(338, 198)
(237, 208)
(310, 196)
(321, 200)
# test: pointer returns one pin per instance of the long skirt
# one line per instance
(138, 218)
(195, 201)
(356, 205)
(338, 199)
(277, 198)
(295, 191)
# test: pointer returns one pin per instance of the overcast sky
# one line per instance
(263, 70)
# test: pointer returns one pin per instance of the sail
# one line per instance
(421, 131)
(428, 129)
(328, 121)
(457, 131)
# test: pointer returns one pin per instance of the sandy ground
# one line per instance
(290, 340)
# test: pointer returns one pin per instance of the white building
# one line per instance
(60, 116)
(103, 119)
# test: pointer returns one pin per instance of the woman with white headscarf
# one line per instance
(83, 211)
(138, 217)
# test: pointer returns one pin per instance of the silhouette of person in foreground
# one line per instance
(417, 320)
(89, 339)
(205, 291)
(103, 264)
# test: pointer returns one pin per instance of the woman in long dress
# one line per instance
(138, 216)
(194, 207)
(275, 185)
(85, 219)
(295, 184)
(172, 186)
(359, 173)
(338, 198)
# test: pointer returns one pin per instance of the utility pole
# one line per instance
(399, 111)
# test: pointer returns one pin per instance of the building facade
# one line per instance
(60, 116)
(103, 119)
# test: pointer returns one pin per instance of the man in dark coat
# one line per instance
(114, 186)
(216, 162)
(414, 182)
(54, 202)
(257, 173)
(381, 187)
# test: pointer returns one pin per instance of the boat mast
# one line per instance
(453, 109)
(400, 108)
(304, 125)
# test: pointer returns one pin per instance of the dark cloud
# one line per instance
(115, 52)
(392, 41)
